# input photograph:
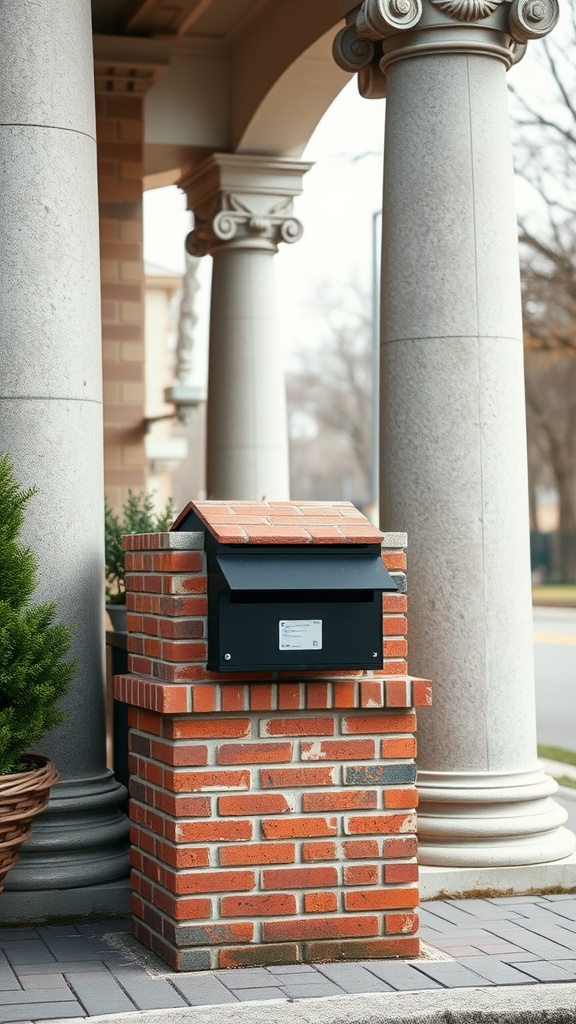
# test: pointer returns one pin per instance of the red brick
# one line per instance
(261, 698)
(394, 559)
(372, 692)
(191, 754)
(320, 902)
(318, 851)
(383, 824)
(405, 847)
(303, 726)
(232, 697)
(339, 750)
(258, 955)
(271, 778)
(178, 781)
(183, 857)
(290, 696)
(395, 649)
(183, 806)
(317, 928)
(395, 625)
(361, 799)
(292, 827)
(400, 924)
(258, 853)
(254, 753)
(253, 803)
(213, 831)
(149, 722)
(401, 746)
(394, 602)
(258, 906)
(401, 798)
(210, 881)
(400, 873)
(182, 908)
(299, 878)
(357, 949)
(216, 728)
(361, 874)
(379, 723)
(179, 585)
(345, 695)
(421, 693)
(182, 650)
(381, 899)
(360, 849)
(317, 695)
(179, 561)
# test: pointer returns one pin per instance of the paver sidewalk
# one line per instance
(83, 970)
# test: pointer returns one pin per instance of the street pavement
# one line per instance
(555, 671)
(517, 944)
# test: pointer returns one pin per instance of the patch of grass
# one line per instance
(557, 754)
(554, 593)
(566, 780)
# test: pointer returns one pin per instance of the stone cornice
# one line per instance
(243, 202)
(379, 32)
(128, 66)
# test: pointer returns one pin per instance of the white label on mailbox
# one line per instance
(300, 634)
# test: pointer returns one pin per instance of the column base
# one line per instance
(482, 883)
(81, 840)
(490, 820)
(109, 900)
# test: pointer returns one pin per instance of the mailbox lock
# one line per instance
(228, 657)
(374, 654)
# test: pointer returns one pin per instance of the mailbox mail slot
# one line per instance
(290, 609)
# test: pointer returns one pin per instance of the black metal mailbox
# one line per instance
(293, 606)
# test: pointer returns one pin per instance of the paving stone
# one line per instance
(568, 965)
(248, 994)
(40, 1011)
(84, 966)
(566, 908)
(8, 979)
(450, 913)
(11, 934)
(400, 976)
(494, 970)
(97, 997)
(353, 978)
(452, 975)
(291, 969)
(526, 939)
(316, 990)
(517, 958)
(150, 993)
(68, 947)
(542, 970)
(32, 981)
(44, 995)
(483, 910)
(203, 991)
(31, 951)
(246, 977)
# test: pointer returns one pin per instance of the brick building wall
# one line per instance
(120, 132)
(273, 814)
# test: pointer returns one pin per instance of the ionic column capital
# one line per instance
(379, 32)
(243, 202)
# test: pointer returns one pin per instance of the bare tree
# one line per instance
(329, 398)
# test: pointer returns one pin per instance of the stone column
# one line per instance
(51, 424)
(453, 462)
(243, 210)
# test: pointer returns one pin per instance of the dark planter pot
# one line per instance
(23, 795)
(117, 614)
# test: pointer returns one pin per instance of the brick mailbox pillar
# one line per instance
(273, 813)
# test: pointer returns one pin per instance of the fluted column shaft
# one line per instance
(243, 210)
(51, 415)
(453, 444)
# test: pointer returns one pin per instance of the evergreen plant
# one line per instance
(33, 676)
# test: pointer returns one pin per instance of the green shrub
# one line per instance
(33, 676)
(138, 516)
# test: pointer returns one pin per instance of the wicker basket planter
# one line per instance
(23, 795)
